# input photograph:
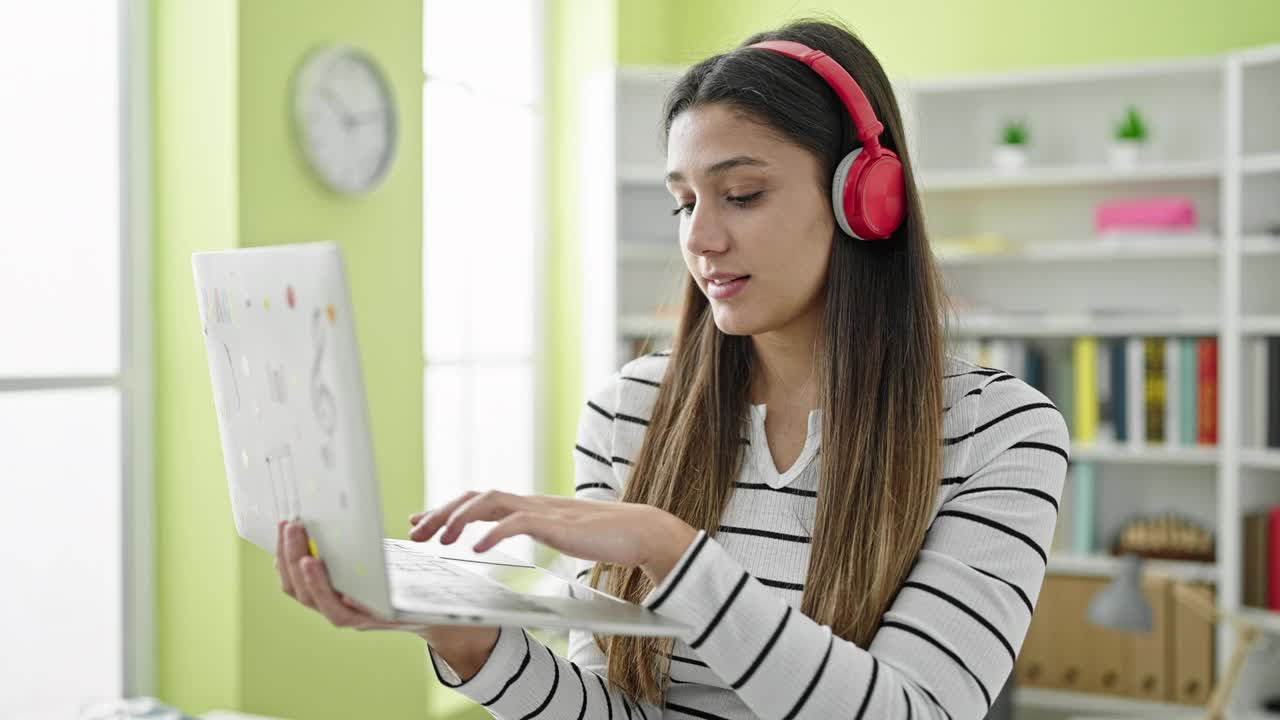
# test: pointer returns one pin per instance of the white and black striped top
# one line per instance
(945, 646)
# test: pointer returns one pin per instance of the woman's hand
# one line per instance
(623, 534)
(305, 579)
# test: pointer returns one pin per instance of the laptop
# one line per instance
(289, 395)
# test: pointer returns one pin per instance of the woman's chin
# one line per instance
(732, 321)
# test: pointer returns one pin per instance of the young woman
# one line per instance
(852, 522)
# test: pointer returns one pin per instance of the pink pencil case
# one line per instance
(1173, 212)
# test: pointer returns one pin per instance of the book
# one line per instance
(1083, 480)
(1135, 367)
(1035, 369)
(1119, 389)
(1255, 393)
(1015, 355)
(1187, 391)
(1153, 354)
(1105, 431)
(1207, 391)
(1254, 568)
(1084, 363)
(1273, 558)
(1064, 395)
(1273, 392)
(1172, 388)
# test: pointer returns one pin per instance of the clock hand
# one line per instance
(333, 100)
(364, 117)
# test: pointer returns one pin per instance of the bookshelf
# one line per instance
(1215, 138)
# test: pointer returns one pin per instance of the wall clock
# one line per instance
(345, 118)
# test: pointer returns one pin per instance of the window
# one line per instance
(68, 374)
(482, 125)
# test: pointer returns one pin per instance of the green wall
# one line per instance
(228, 174)
(942, 37)
(197, 570)
(580, 37)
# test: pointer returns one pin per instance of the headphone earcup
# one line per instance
(838, 183)
(868, 195)
(881, 203)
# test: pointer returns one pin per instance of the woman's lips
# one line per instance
(724, 291)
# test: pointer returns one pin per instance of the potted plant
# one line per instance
(1011, 152)
(1129, 138)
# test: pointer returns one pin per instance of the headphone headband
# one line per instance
(868, 195)
(864, 118)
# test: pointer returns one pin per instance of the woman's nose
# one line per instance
(704, 233)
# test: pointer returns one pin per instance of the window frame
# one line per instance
(134, 380)
(536, 360)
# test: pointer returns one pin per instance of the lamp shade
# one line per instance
(1121, 605)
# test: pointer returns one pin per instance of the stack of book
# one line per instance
(1125, 390)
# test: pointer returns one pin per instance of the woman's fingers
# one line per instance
(295, 548)
(325, 599)
(282, 566)
(353, 604)
(426, 524)
(539, 526)
(430, 522)
(490, 505)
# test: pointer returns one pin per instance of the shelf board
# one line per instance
(1259, 55)
(1074, 324)
(1097, 703)
(1260, 458)
(1268, 620)
(1099, 565)
(1170, 247)
(646, 326)
(1032, 325)
(1147, 454)
(1260, 324)
(1095, 250)
(989, 178)
(1065, 75)
(643, 174)
(1258, 163)
(648, 252)
(1260, 245)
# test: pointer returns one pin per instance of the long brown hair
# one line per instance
(880, 361)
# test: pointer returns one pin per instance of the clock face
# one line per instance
(345, 118)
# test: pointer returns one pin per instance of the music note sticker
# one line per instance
(276, 385)
(284, 488)
(323, 405)
(235, 385)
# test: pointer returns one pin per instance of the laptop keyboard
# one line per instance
(429, 579)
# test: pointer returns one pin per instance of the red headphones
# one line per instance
(867, 191)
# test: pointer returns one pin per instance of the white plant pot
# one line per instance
(1124, 153)
(1009, 157)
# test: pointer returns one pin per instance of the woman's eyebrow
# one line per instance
(722, 166)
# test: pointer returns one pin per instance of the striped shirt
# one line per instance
(945, 645)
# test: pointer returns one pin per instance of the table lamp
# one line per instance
(1121, 605)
